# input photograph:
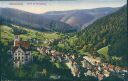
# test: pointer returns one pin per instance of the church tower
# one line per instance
(16, 40)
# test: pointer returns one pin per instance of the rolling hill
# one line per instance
(79, 18)
(59, 21)
(30, 20)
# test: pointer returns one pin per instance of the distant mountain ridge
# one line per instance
(79, 18)
(58, 21)
(31, 20)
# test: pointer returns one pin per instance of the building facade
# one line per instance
(21, 52)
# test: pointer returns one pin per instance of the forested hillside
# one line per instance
(107, 35)
(110, 30)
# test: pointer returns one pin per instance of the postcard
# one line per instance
(63, 40)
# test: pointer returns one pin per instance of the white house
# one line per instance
(21, 52)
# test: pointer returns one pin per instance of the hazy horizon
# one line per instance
(39, 7)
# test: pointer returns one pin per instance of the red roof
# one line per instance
(24, 44)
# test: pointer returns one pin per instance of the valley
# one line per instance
(96, 53)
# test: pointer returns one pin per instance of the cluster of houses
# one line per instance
(39, 41)
(87, 65)
(103, 70)
(92, 66)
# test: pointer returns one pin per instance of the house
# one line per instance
(21, 52)
(41, 49)
(92, 60)
(100, 77)
(106, 73)
(88, 73)
(73, 66)
(86, 64)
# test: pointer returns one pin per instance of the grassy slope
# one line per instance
(7, 36)
(41, 62)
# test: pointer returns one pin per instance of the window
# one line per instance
(27, 52)
(15, 58)
(26, 56)
(26, 59)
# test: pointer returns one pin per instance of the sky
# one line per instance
(39, 7)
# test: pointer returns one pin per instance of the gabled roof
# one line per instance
(17, 47)
(14, 49)
(24, 44)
